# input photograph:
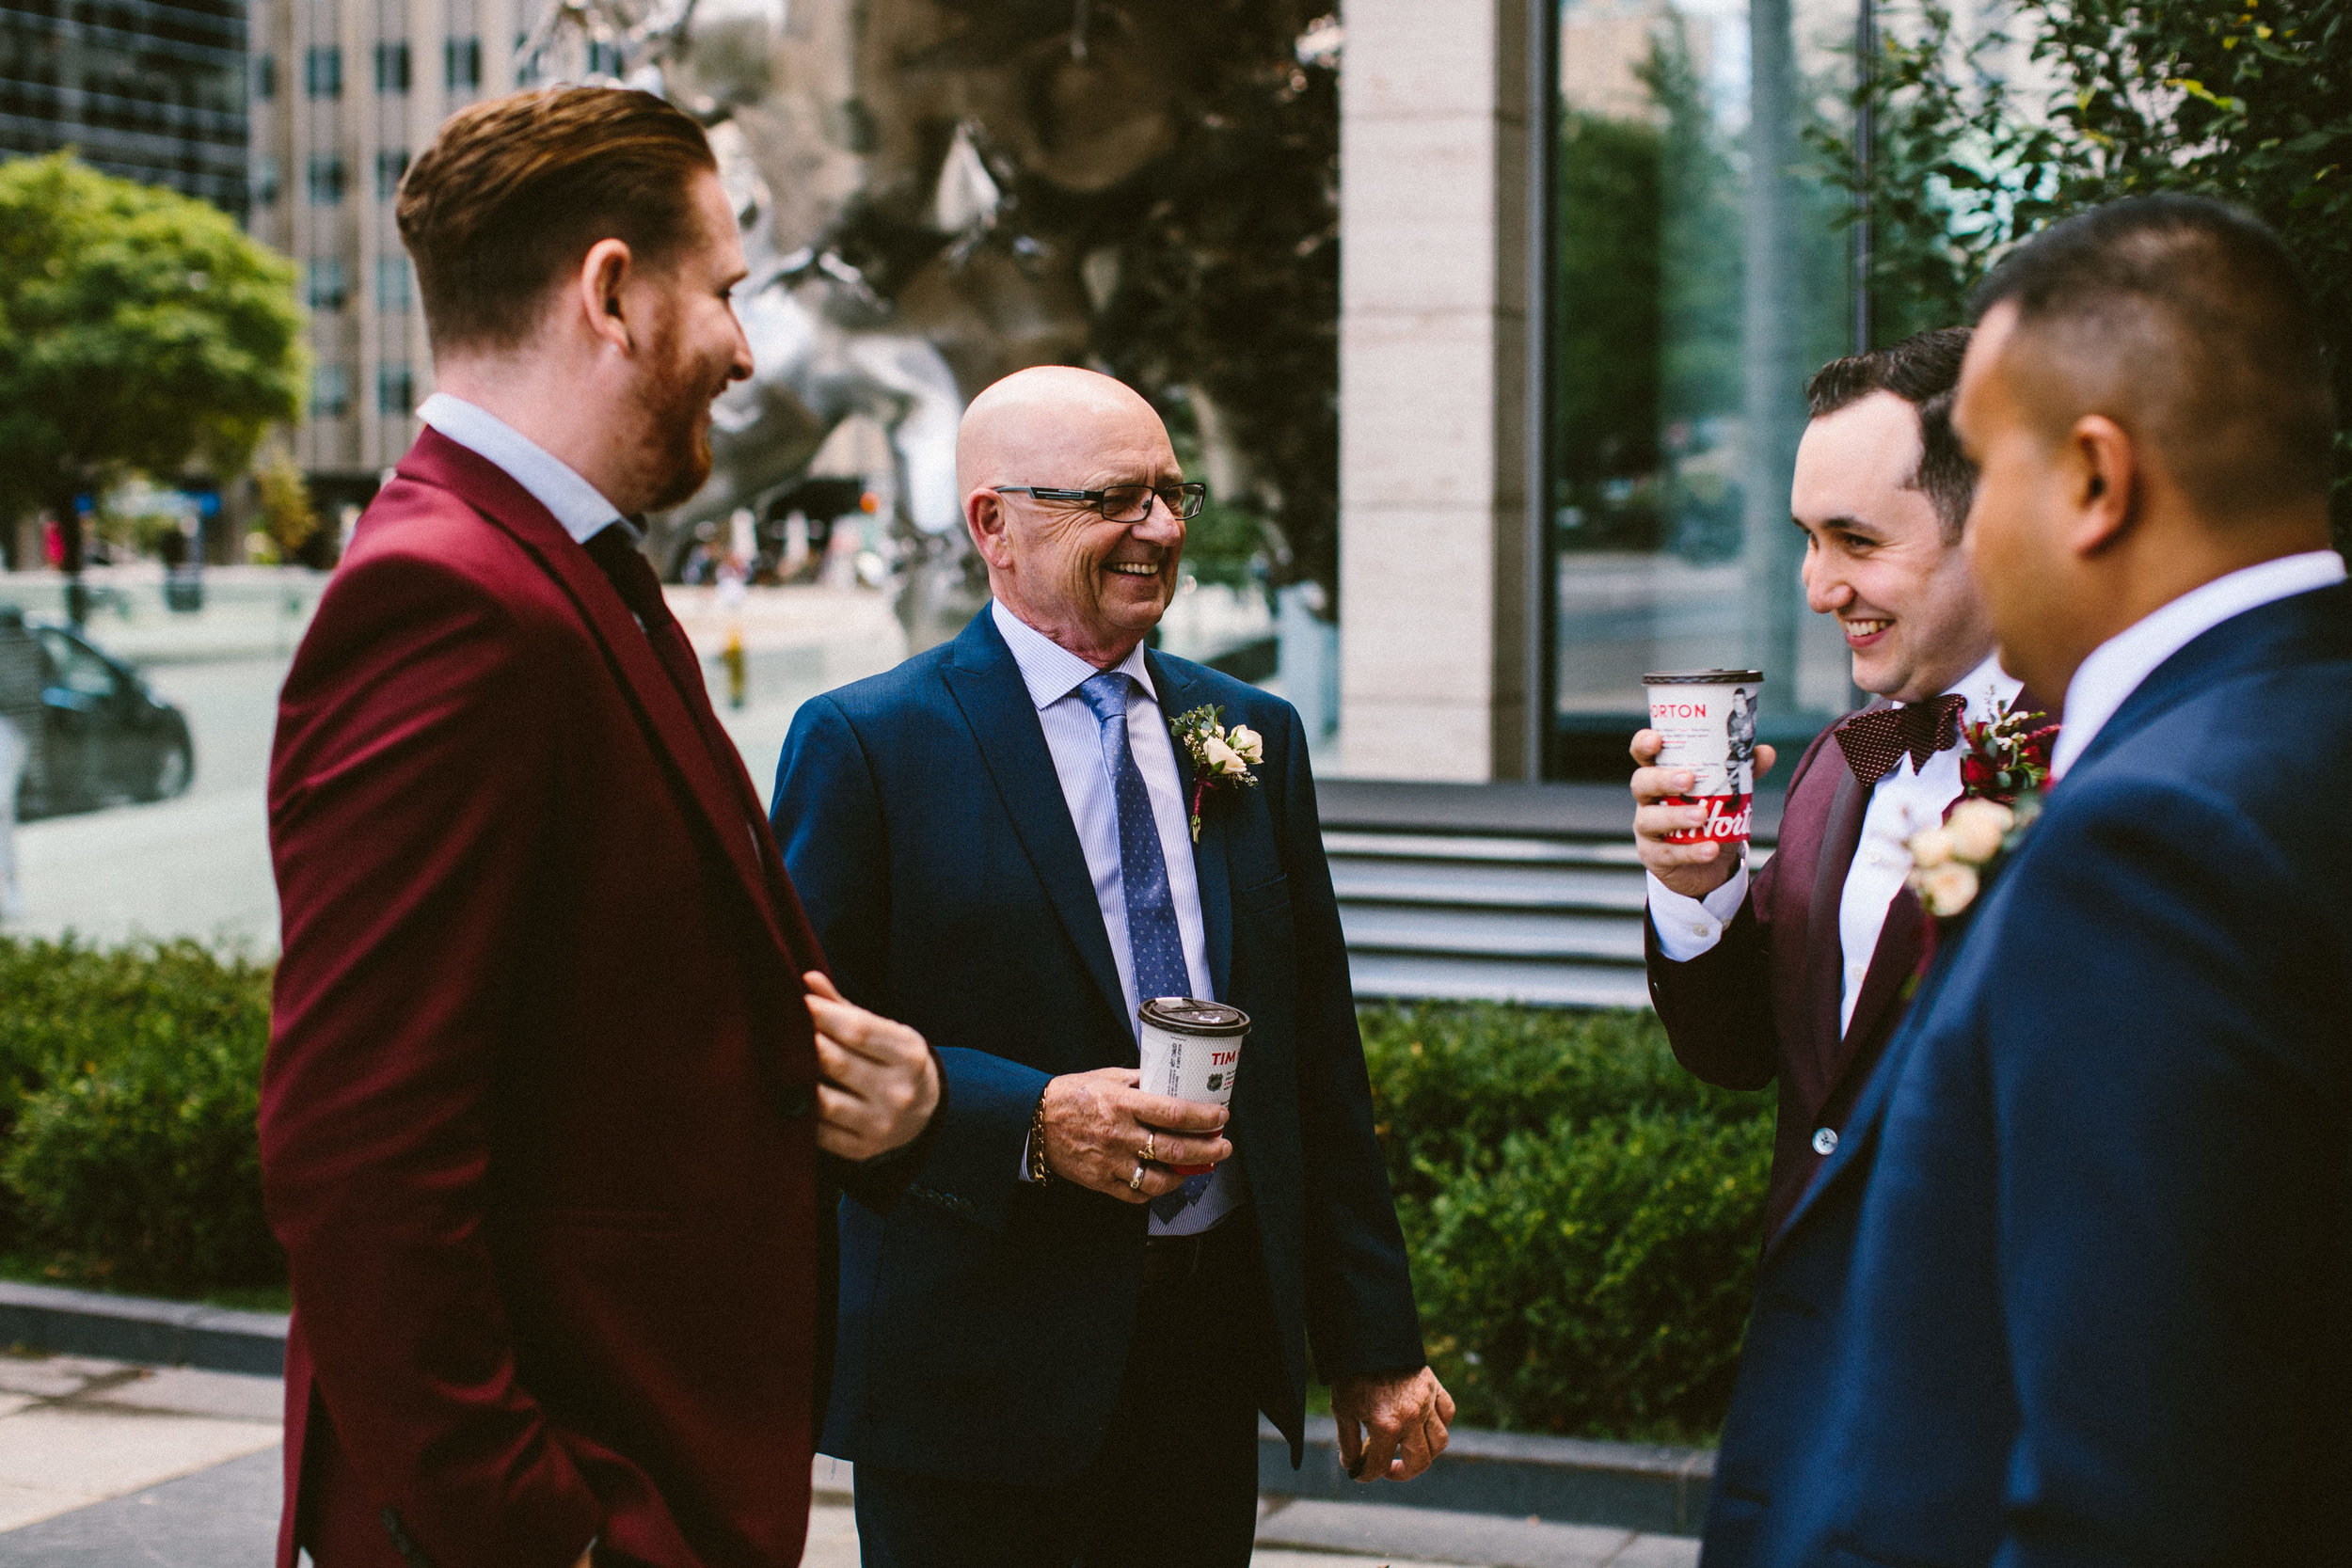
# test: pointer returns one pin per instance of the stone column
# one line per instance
(1434, 212)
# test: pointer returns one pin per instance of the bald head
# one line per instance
(1045, 421)
(1093, 585)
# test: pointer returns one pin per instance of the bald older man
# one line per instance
(1055, 1352)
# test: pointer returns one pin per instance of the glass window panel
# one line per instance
(1700, 274)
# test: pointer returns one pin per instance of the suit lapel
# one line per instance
(677, 740)
(988, 690)
(1824, 944)
(1901, 941)
(1211, 871)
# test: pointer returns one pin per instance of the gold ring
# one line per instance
(1135, 1182)
(1151, 1147)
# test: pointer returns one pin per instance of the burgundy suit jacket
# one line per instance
(1761, 1005)
(535, 1124)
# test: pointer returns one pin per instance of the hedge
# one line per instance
(1583, 1215)
(128, 1083)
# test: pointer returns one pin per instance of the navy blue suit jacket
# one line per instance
(985, 1322)
(2076, 1288)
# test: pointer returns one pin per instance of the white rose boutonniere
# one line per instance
(1221, 759)
(1949, 863)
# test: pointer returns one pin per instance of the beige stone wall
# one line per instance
(1433, 368)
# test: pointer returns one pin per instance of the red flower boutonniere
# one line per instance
(2006, 759)
(1221, 759)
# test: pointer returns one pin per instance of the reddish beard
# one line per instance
(673, 441)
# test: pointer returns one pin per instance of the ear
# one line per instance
(601, 286)
(2104, 476)
(985, 516)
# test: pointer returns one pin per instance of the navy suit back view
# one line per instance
(2077, 1289)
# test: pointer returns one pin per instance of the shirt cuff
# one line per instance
(1687, 927)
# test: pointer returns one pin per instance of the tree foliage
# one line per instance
(2246, 100)
(140, 330)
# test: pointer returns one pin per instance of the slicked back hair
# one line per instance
(1924, 370)
(2184, 320)
(514, 192)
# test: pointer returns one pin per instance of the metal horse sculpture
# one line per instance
(819, 337)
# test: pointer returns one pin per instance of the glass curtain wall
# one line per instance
(1700, 272)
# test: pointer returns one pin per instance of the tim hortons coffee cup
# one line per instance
(1191, 1049)
(1707, 719)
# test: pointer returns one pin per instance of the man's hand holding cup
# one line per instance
(1692, 869)
(1105, 1134)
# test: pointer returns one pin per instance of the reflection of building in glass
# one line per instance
(343, 94)
(152, 90)
(1699, 275)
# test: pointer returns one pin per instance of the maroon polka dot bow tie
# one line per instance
(1876, 737)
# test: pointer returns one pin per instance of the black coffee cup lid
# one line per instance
(1702, 678)
(1191, 1015)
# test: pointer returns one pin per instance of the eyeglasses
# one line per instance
(1124, 503)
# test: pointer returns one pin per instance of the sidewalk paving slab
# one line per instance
(1441, 1535)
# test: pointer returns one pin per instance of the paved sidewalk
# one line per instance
(104, 1464)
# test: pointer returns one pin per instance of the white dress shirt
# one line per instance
(1053, 675)
(1904, 802)
(2105, 680)
(577, 504)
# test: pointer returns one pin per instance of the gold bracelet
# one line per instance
(1039, 1172)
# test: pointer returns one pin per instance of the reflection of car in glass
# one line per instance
(94, 733)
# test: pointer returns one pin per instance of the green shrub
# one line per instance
(135, 1075)
(1584, 1216)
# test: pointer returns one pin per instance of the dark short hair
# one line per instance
(1924, 370)
(2190, 322)
(515, 190)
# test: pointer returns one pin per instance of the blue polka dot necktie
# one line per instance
(1154, 943)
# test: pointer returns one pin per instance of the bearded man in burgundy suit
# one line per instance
(1797, 973)
(553, 1056)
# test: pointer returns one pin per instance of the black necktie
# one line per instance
(614, 551)
(1874, 740)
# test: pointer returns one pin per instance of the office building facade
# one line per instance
(345, 92)
(152, 90)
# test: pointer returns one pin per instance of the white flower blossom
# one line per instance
(1223, 759)
(1931, 848)
(1949, 889)
(1248, 743)
(1976, 828)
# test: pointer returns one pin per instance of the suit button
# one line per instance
(1825, 1140)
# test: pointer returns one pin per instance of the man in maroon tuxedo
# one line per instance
(1799, 972)
(553, 1056)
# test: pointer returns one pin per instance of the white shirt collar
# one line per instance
(1990, 690)
(1052, 672)
(2116, 668)
(577, 504)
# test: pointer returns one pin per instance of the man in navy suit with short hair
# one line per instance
(2076, 1286)
(1056, 1348)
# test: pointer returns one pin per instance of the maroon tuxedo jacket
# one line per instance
(535, 1124)
(1762, 1004)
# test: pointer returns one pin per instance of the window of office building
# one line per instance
(330, 390)
(327, 179)
(604, 60)
(395, 388)
(390, 163)
(391, 284)
(461, 63)
(325, 287)
(1699, 273)
(265, 77)
(265, 182)
(323, 71)
(391, 68)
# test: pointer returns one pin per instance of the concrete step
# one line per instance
(1488, 933)
(1470, 885)
(1422, 977)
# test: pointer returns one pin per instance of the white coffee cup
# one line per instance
(1191, 1049)
(1706, 719)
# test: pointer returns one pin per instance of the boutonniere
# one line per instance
(1950, 864)
(1221, 759)
(2005, 759)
